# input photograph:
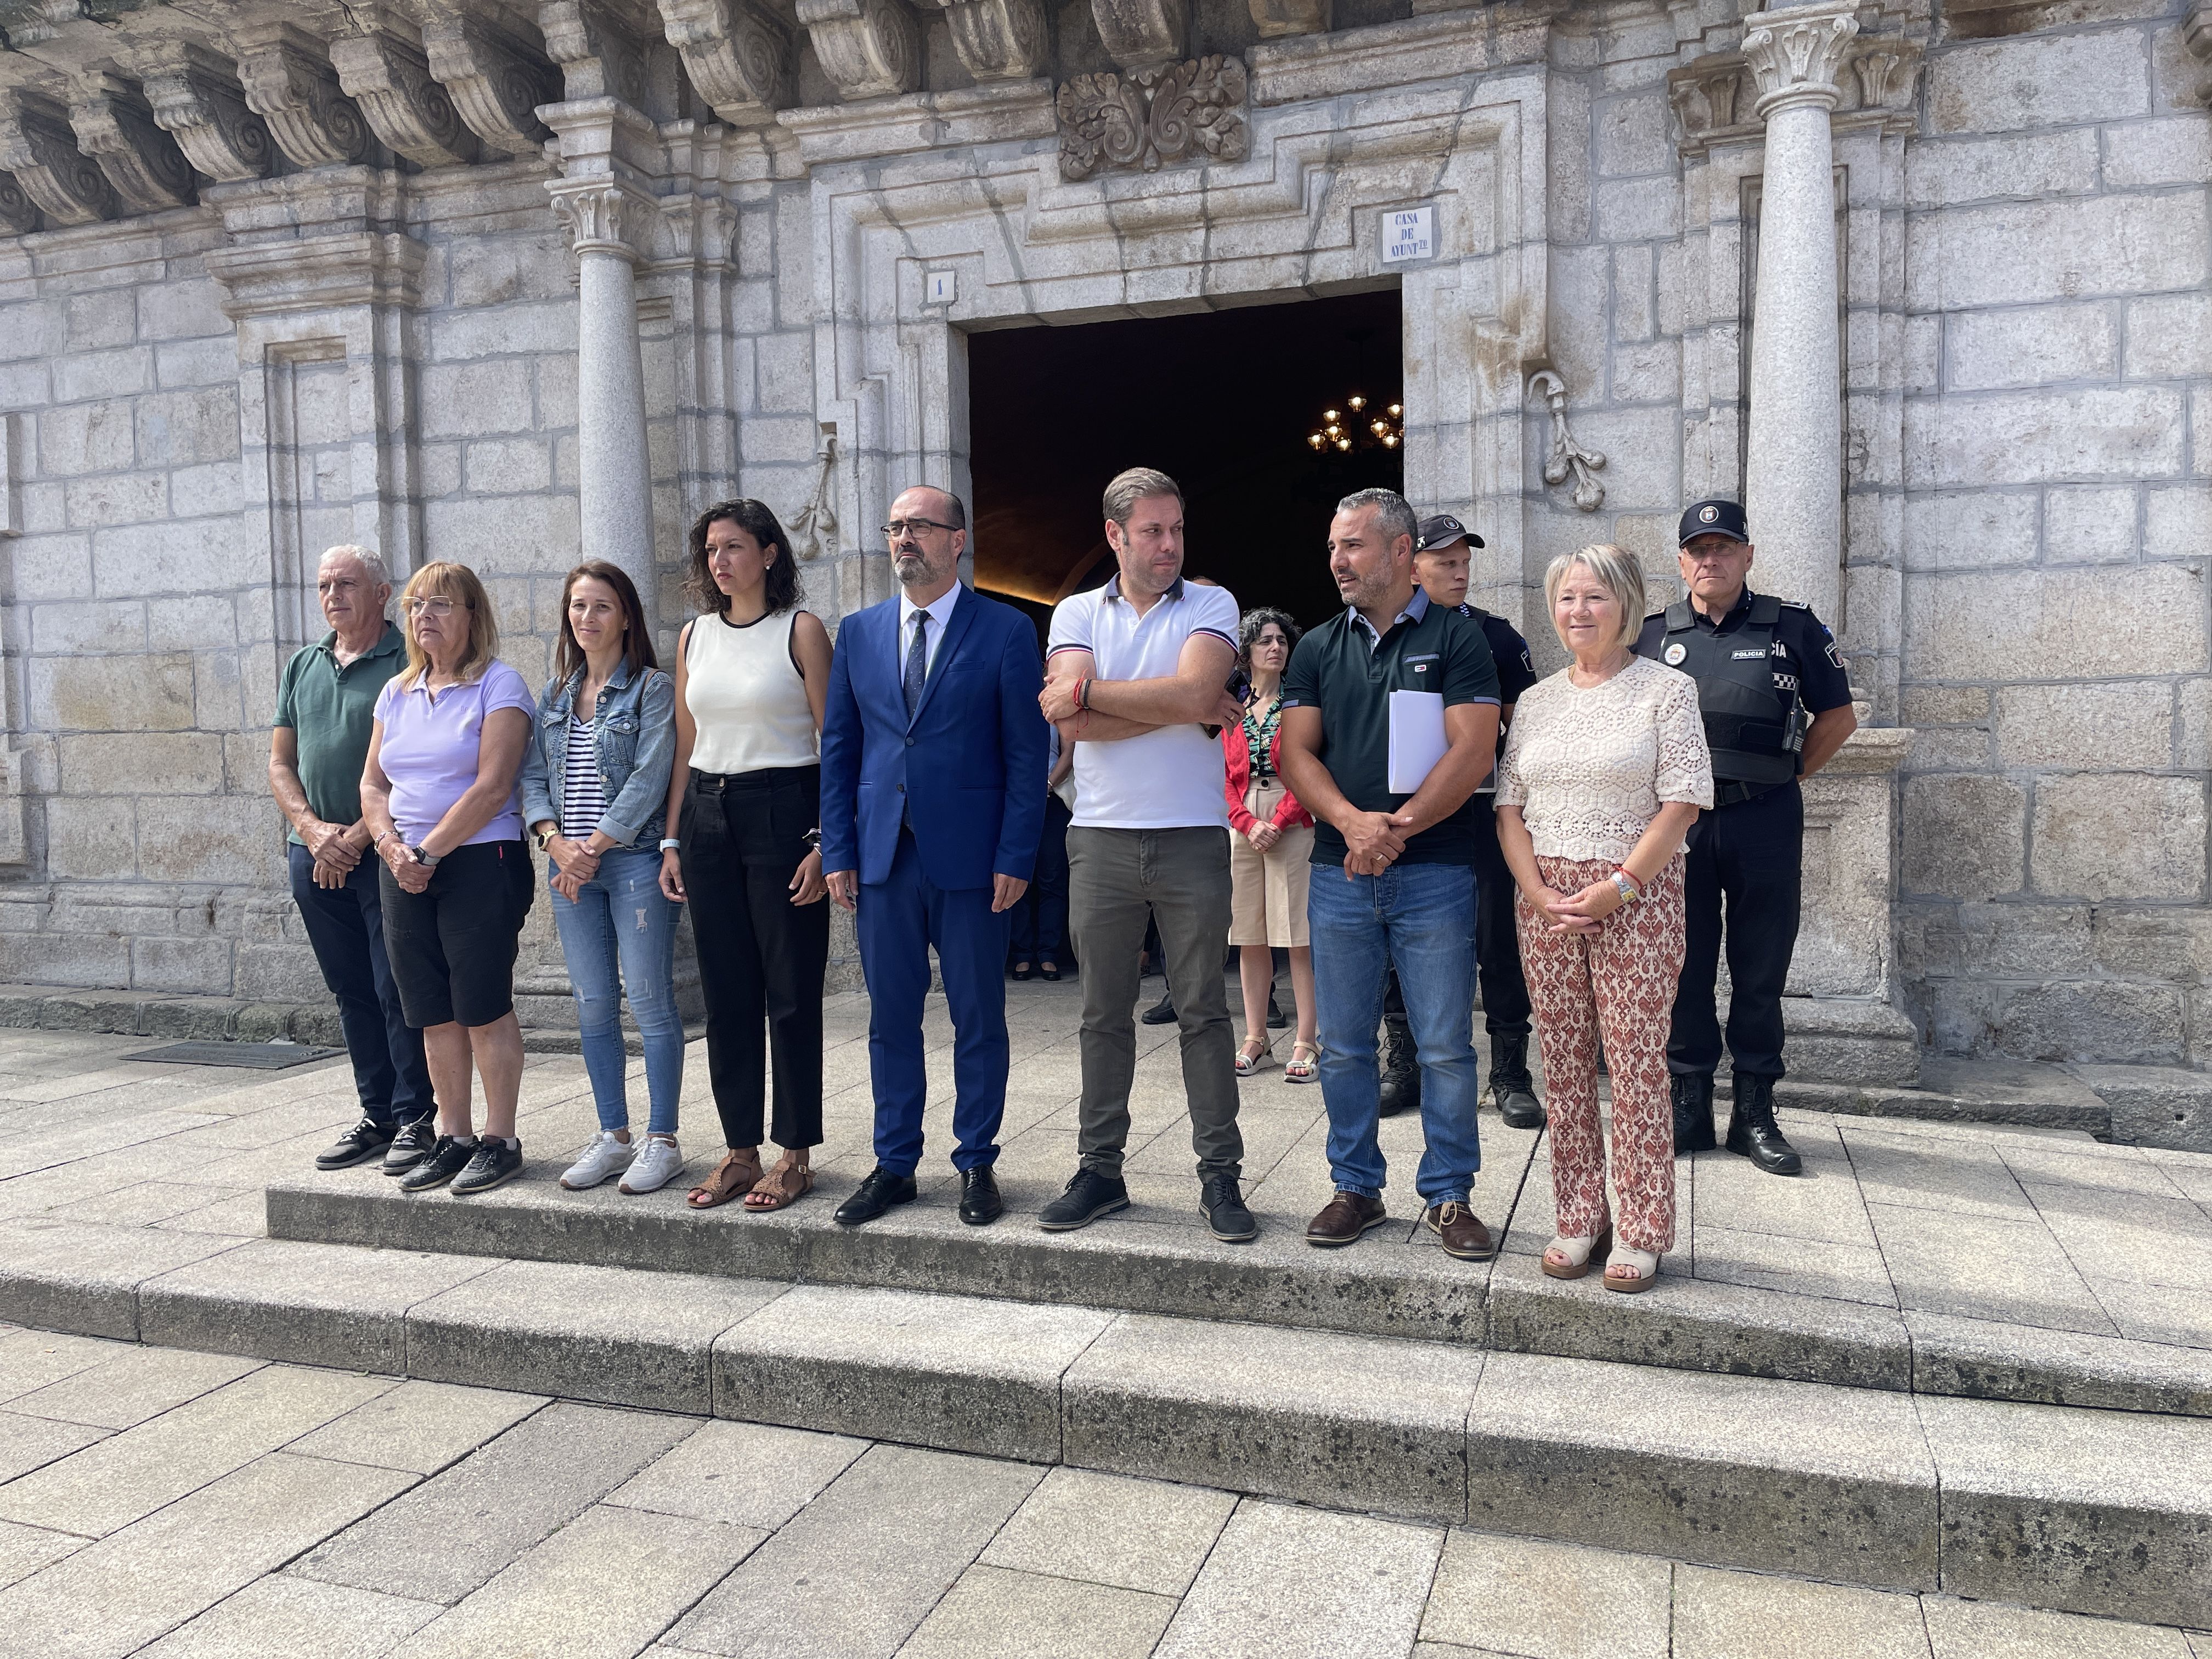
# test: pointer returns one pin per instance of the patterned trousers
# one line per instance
(1619, 981)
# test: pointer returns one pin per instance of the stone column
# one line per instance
(614, 485)
(1794, 461)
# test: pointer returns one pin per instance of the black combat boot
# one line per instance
(1752, 1131)
(1693, 1111)
(1510, 1085)
(1402, 1074)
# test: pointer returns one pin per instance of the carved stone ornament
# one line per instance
(390, 80)
(19, 213)
(290, 84)
(197, 99)
(1142, 33)
(1888, 67)
(997, 39)
(1279, 18)
(1149, 117)
(738, 55)
(868, 48)
(2196, 34)
(1705, 94)
(814, 526)
(1795, 54)
(603, 217)
(597, 59)
(37, 146)
(115, 126)
(1568, 458)
(496, 84)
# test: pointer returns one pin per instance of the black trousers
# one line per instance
(345, 925)
(1040, 925)
(1497, 943)
(761, 957)
(1748, 855)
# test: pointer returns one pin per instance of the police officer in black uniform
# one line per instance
(1440, 563)
(1777, 704)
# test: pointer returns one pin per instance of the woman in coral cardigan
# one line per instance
(1268, 852)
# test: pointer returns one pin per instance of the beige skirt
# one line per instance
(1267, 893)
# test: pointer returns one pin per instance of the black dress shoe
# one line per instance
(1752, 1132)
(881, 1190)
(1161, 1012)
(1222, 1206)
(1693, 1111)
(1022, 971)
(1084, 1198)
(979, 1203)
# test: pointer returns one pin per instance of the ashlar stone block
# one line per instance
(2030, 346)
(2121, 727)
(1964, 835)
(2104, 837)
(2066, 625)
(2039, 81)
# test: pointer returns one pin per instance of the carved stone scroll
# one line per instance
(19, 213)
(597, 59)
(1142, 33)
(868, 48)
(38, 147)
(497, 83)
(1149, 117)
(196, 99)
(115, 126)
(390, 80)
(290, 84)
(997, 39)
(738, 56)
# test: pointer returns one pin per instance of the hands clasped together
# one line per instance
(1576, 913)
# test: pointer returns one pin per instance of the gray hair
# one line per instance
(1617, 571)
(1392, 512)
(372, 564)
(1138, 483)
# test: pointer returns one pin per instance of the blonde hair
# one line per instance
(457, 582)
(1617, 572)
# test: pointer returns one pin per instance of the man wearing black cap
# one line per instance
(1777, 706)
(1442, 554)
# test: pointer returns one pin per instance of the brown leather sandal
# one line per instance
(786, 1183)
(737, 1174)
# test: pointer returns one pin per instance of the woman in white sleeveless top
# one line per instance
(753, 674)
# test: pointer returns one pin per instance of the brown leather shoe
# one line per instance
(1460, 1231)
(1344, 1217)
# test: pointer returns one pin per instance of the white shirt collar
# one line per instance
(940, 609)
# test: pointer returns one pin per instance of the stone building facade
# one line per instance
(504, 282)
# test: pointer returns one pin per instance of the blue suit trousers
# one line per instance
(899, 919)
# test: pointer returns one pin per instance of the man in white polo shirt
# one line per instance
(1138, 670)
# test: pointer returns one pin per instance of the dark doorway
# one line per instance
(1225, 402)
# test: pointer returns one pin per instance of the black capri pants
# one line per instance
(452, 945)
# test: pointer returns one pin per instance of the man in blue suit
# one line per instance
(932, 748)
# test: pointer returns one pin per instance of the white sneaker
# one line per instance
(660, 1162)
(603, 1157)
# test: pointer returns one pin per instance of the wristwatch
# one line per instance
(670, 844)
(429, 861)
(545, 837)
(813, 839)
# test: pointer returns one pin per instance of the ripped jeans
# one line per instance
(620, 919)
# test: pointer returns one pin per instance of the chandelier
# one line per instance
(1358, 425)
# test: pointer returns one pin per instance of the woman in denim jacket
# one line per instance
(593, 794)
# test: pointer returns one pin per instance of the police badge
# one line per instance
(1675, 652)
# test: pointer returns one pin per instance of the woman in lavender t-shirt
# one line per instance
(439, 799)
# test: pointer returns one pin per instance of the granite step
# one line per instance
(1393, 1284)
(2084, 1509)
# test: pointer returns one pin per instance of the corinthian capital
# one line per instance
(603, 215)
(1796, 53)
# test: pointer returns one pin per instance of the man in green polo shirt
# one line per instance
(1397, 888)
(325, 707)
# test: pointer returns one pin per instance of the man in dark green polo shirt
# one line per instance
(1396, 885)
(325, 707)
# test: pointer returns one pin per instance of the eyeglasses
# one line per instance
(439, 606)
(897, 528)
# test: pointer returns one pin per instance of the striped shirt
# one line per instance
(583, 797)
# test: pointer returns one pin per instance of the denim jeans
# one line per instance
(620, 918)
(1419, 919)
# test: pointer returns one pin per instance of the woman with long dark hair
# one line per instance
(594, 789)
(745, 795)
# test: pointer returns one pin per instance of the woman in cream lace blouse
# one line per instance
(1604, 771)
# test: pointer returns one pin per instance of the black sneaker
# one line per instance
(1084, 1198)
(1222, 1206)
(495, 1165)
(410, 1145)
(447, 1158)
(356, 1146)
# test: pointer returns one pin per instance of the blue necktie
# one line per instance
(917, 665)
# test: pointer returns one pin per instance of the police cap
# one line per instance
(1713, 518)
(1441, 531)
